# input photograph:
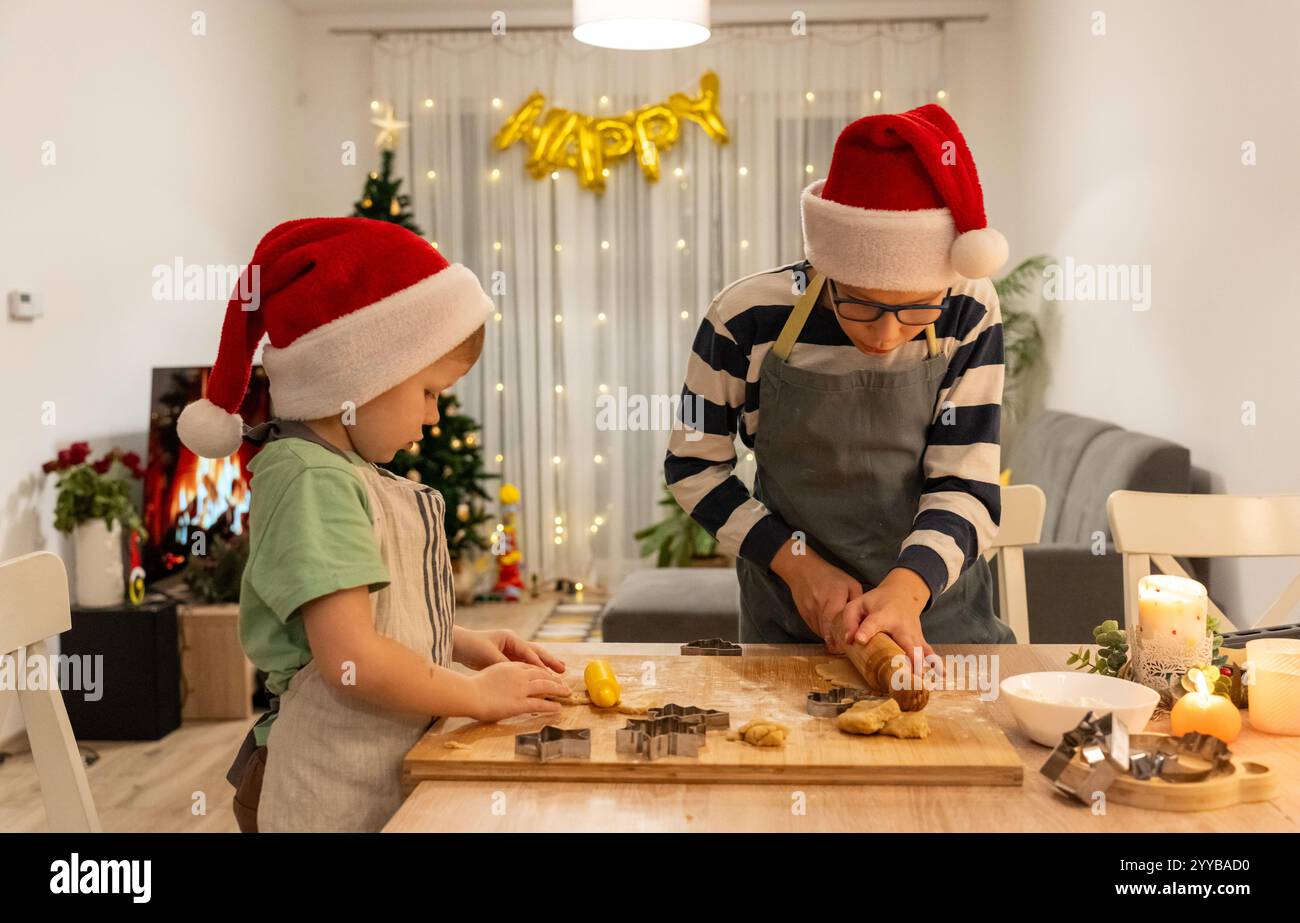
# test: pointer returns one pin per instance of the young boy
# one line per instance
(347, 600)
(876, 366)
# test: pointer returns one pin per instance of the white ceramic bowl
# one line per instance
(1046, 705)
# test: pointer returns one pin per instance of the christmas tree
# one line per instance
(381, 199)
(450, 459)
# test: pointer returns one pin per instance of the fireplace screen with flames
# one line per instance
(184, 493)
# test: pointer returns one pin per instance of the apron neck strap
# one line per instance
(799, 316)
(794, 323)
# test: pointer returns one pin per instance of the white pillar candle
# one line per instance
(1173, 607)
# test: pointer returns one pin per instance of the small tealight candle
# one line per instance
(1209, 714)
(1170, 606)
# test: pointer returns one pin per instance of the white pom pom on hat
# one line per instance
(978, 253)
(209, 431)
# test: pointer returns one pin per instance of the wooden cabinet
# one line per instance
(218, 680)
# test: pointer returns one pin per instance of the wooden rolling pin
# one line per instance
(874, 660)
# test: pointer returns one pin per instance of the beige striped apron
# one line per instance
(334, 761)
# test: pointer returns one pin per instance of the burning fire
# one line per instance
(204, 491)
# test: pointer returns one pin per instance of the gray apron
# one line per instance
(839, 458)
(333, 762)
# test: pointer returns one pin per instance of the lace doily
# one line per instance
(1158, 662)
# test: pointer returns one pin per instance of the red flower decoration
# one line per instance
(78, 452)
(65, 458)
(102, 466)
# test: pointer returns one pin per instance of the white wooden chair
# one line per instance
(33, 607)
(1151, 528)
(1023, 507)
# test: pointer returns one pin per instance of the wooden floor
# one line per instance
(178, 784)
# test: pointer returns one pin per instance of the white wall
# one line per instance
(1130, 153)
(166, 145)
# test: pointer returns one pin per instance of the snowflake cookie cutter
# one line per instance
(552, 743)
(654, 738)
(711, 718)
(711, 647)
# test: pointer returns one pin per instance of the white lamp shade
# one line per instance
(633, 26)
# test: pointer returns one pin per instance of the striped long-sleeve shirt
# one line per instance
(960, 505)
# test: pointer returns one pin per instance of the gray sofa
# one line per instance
(1077, 461)
(673, 605)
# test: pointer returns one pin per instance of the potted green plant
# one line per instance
(678, 540)
(94, 506)
(1022, 339)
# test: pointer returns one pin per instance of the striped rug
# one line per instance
(570, 622)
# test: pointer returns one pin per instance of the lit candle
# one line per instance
(1170, 606)
(1209, 714)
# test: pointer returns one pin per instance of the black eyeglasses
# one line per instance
(864, 312)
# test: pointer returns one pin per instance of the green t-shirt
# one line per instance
(310, 534)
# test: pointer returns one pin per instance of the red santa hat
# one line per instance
(352, 308)
(901, 207)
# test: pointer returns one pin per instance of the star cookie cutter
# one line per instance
(711, 647)
(835, 701)
(552, 743)
(654, 738)
(712, 719)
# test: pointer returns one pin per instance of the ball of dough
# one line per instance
(867, 716)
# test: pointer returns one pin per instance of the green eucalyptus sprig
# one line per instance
(1111, 654)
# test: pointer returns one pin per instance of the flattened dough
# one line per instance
(840, 672)
(911, 724)
(761, 732)
(867, 716)
(578, 696)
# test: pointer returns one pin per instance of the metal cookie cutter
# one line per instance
(835, 700)
(711, 718)
(551, 743)
(1109, 751)
(658, 737)
(1172, 758)
(715, 647)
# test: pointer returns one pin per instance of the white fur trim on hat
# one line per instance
(361, 355)
(209, 431)
(905, 251)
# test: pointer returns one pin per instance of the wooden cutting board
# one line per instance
(965, 746)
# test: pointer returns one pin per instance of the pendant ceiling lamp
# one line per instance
(633, 26)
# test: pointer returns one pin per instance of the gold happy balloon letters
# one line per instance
(585, 144)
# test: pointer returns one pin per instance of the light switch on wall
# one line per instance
(25, 306)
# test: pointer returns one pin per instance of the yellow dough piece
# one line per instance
(761, 732)
(456, 745)
(912, 724)
(867, 716)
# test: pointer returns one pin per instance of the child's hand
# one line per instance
(506, 689)
(893, 607)
(479, 649)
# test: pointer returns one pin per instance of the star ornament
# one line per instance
(388, 128)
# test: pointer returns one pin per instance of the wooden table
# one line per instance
(517, 807)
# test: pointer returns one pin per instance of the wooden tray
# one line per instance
(1244, 781)
(965, 747)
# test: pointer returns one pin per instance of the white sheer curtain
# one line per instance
(671, 245)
